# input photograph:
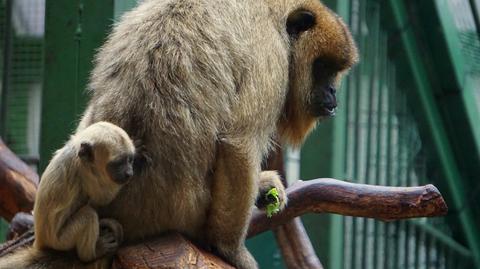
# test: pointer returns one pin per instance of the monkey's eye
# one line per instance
(121, 169)
(326, 67)
(300, 21)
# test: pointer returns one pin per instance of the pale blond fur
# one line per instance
(70, 190)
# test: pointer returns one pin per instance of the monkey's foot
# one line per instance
(110, 237)
(268, 181)
(239, 257)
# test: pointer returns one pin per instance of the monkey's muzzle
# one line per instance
(324, 101)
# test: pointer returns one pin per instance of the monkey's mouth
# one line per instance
(324, 101)
(328, 111)
(325, 109)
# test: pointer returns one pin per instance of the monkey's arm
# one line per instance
(82, 232)
(79, 231)
(234, 188)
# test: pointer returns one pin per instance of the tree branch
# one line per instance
(18, 184)
(328, 195)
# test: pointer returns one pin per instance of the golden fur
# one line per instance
(205, 85)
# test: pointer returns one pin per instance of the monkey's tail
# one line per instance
(33, 258)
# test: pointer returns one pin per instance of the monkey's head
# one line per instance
(321, 51)
(107, 152)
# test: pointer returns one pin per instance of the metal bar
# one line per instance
(7, 60)
(450, 259)
(417, 248)
(120, 6)
(451, 39)
(345, 261)
(388, 170)
(428, 250)
(475, 7)
(457, 60)
(436, 129)
(403, 175)
(442, 238)
(380, 60)
(340, 123)
(356, 223)
(406, 245)
(73, 31)
(370, 61)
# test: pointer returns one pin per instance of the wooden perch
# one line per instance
(18, 184)
(320, 196)
(327, 195)
(169, 251)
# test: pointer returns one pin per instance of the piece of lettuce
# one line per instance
(273, 207)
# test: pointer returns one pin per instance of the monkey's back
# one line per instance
(55, 196)
(180, 75)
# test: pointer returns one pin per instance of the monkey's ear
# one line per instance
(300, 21)
(86, 152)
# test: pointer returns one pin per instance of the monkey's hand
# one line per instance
(268, 181)
(110, 237)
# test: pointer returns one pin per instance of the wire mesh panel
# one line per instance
(467, 27)
(22, 33)
(468, 34)
(383, 146)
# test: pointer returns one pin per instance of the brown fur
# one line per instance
(70, 190)
(205, 85)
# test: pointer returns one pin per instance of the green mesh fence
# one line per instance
(384, 147)
(3, 230)
(468, 34)
(23, 32)
(21, 64)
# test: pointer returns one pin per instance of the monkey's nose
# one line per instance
(332, 90)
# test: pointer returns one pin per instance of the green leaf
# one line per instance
(274, 207)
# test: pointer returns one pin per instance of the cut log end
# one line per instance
(169, 251)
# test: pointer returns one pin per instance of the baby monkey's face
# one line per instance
(120, 169)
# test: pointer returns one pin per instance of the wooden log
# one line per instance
(334, 196)
(327, 195)
(18, 184)
(166, 252)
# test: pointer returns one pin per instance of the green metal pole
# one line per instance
(121, 6)
(73, 31)
(436, 128)
(336, 239)
(7, 56)
(454, 54)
